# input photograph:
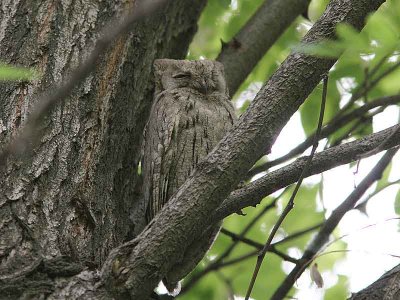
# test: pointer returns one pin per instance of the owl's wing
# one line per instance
(159, 152)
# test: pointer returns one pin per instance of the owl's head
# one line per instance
(205, 76)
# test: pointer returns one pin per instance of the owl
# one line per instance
(191, 113)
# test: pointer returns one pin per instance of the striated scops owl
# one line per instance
(191, 113)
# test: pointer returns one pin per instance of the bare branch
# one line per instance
(193, 280)
(330, 224)
(331, 127)
(290, 203)
(254, 192)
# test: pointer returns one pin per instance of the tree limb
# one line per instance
(330, 224)
(241, 54)
(254, 192)
(135, 268)
(387, 287)
(328, 129)
(289, 206)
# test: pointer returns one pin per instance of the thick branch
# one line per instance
(240, 55)
(253, 193)
(135, 268)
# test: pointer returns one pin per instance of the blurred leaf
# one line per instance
(310, 109)
(328, 48)
(305, 209)
(385, 178)
(390, 84)
(351, 38)
(316, 276)
(316, 8)
(8, 72)
(219, 21)
(272, 59)
(339, 290)
(397, 203)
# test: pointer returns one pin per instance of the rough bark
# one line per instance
(387, 287)
(133, 269)
(74, 195)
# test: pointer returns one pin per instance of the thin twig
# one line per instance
(297, 234)
(335, 124)
(377, 191)
(364, 88)
(250, 225)
(354, 129)
(290, 204)
(254, 192)
(218, 263)
(213, 267)
(330, 224)
(236, 237)
(118, 26)
(258, 246)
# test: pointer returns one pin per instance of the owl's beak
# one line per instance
(203, 87)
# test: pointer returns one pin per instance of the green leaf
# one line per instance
(397, 203)
(385, 178)
(309, 111)
(351, 38)
(339, 290)
(328, 48)
(8, 72)
(316, 8)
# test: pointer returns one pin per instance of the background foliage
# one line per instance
(362, 53)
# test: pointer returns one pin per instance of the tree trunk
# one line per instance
(74, 196)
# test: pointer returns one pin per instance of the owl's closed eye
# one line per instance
(203, 76)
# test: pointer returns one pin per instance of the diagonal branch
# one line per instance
(254, 192)
(330, 224)
(241, 54)
(290, 204)
(328, 129)
(135, 268)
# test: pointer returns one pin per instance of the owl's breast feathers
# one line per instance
(184, 126)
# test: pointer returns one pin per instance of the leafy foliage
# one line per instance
(8, 72)
(367, 67)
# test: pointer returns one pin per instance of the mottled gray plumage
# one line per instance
(190, 114)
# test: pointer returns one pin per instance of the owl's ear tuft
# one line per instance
(159, 66)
